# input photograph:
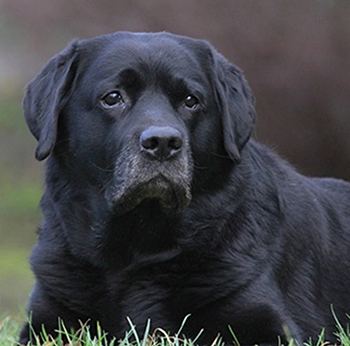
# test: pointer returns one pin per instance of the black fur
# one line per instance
(216, 225)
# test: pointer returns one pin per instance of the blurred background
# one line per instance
(295, 54)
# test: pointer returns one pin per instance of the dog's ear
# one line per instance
(44, 98)
(237, 106)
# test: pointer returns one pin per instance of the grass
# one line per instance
(9, 329)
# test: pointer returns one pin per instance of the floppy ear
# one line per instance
(44, 97)
(237, 106)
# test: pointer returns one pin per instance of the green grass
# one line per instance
(9, 329)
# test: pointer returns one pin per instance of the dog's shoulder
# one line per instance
(296, 194)
(335, 193)
(333, 185)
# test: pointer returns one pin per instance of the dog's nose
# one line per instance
(161, 143)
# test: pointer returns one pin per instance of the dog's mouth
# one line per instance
(172, 197)
(137, 178)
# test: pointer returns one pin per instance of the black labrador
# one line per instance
(158, 204)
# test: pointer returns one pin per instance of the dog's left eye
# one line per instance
(112, 99)
(191, 102)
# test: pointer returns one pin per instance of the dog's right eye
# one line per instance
(191, 102)
(112, 99)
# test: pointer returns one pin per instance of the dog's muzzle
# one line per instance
(158, 166)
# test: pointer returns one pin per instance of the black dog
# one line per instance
(158, 204)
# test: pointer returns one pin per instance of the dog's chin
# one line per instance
(172, 198)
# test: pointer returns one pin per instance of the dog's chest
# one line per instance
(166, 295)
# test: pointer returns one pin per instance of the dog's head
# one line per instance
(140, 115)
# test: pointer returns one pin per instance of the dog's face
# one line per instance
(140, 116)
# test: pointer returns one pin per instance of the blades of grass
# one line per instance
(100, 333)
(9, 329)
(146, 334)
(59, 339)
(113, 342)
(183, 324)
(341, 334)
(235, 340)
(161, 342)
(83, 335)
(32, 333)
(162, 335)
(43, 335)
(100, 339)
(177, 335)
(198, 335)
(125, 341)
(63, 330)
(288, 336)
(217, 341)
(133, 331)
(320, 339)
